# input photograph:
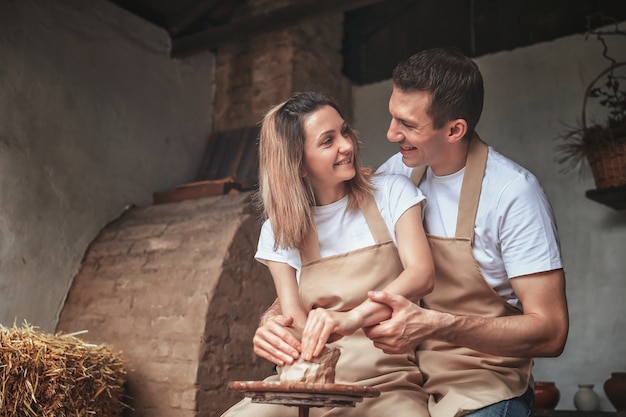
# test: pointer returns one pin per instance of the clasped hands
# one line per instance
(401, 333)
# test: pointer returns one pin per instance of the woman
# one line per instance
(330, 236)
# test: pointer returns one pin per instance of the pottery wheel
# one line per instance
(304, 395)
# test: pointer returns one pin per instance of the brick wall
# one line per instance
(253, 75)
(175, 288)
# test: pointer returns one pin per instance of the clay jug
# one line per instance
(615, 389)
(586, 399)
(547, 395)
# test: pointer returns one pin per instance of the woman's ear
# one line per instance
(457, 130)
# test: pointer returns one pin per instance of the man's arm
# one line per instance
(272, 340)
(540, 332)
(271, 312)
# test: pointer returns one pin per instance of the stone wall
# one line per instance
(175, 288)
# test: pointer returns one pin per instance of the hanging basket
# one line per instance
(608, 165)
(608, 161)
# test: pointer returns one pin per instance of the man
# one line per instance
(499, 297)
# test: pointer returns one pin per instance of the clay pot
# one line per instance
(586, 399)
(615, 389)
(547, 395)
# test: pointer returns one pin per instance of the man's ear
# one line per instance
(456, 130)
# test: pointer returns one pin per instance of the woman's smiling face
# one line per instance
(328, 154)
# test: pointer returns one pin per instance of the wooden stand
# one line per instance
(304, 396)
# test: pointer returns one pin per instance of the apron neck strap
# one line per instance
(471, 186)
(470, 189)
(417, 174)
(310, 250)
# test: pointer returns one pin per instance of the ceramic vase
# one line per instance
(615, 389)
(586, 399)
(547, 395)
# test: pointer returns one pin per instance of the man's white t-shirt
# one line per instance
(515, 232)
(340, 230)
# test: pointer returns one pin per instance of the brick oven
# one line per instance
(175, 288)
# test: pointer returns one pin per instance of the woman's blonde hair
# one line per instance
(285, 195)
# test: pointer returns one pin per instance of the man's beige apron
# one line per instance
(459, 379)
(340, 283)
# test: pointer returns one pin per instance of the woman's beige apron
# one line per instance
(340, 283)
(459, 379)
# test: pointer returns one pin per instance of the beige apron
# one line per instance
(458, 379)
(341, 282)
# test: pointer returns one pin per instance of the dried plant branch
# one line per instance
(590, 139)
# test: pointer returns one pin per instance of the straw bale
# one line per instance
(43, 375)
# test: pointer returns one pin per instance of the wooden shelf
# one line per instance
(575, 413)
(614, 197)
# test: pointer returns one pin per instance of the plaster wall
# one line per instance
(94, 117)
(530, 95)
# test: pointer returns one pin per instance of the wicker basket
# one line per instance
(608, 164)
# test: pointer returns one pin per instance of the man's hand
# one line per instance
(403, 331)
(541, 331)
(273, 341)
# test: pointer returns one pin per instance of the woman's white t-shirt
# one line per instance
(341, 231)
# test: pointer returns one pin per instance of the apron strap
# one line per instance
(417, 174)
(375, 220)
(311, 249)
(470, 188)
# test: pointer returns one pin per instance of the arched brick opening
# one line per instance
(176, 289)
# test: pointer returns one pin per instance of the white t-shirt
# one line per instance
(341, 231)
(515, 232)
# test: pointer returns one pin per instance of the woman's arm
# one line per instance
(288, 295)
(415, 281)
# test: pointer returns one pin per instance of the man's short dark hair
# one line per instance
(453, 80)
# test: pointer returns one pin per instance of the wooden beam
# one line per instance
(190, 14)
(275, 19)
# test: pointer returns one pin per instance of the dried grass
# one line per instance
(43, 375)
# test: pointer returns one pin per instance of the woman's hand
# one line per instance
(323, 326)
(275, 341)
